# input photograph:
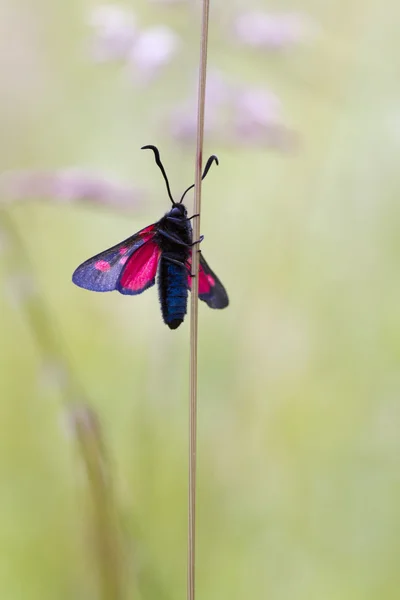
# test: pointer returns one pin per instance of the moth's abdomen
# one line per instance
(173, 292)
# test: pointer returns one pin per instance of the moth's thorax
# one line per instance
(175, 231)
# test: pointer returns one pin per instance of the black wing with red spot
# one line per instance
(102, 273)
(211, 290)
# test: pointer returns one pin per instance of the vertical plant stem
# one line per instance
(194, 305)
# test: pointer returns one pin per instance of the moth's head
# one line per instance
(178, 211)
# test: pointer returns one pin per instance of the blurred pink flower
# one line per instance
(117, 37)
(258, 119)
(258, 104)
(272, 31)
(114, 32)
(234, 115)
(218, 89)
(67, 185)
(184, 116)
(183, 122)
(154, 48)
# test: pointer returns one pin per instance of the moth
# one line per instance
(163, 249)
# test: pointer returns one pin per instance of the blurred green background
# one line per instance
(299, 421)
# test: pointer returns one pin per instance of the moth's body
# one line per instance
(163, 249)
(173, 266)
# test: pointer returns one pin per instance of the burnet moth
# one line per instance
(164, 247)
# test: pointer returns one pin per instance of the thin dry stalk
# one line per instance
(194, 305)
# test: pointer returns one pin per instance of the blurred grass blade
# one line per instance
(107, 552)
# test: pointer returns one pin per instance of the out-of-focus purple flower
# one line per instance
(118, 38)
(114, 32)
(67, 185)
(183, 122)
(154, 48)
(235, 115)
(272, 31)
(260, 106)
(258, 119)
(218, 89)
(184, 116)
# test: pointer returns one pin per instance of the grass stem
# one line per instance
(194, 305)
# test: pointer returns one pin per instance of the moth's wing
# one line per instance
(102, 272)
(211, 289)
(140, 270)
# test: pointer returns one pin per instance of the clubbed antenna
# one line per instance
(160, 166)
(206, 169)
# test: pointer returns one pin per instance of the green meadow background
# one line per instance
(299, 379)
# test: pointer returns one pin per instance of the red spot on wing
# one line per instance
(102, 265)
(123, 250)
(211, 280)
(147, 233)
(205, 282)
(141, 267)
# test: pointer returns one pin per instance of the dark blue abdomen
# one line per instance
(173, 291)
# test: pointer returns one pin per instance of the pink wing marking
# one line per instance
(141, 268)
(123, 260)
(147, 233)
(211, 280)
(123, 250)
(206, 282)
(102, 265)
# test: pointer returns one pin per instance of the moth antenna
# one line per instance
(160, 166)
(210, 161)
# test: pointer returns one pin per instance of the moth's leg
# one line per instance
(175, 239)
(180, 264)
(197, 242)
(189, 270)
